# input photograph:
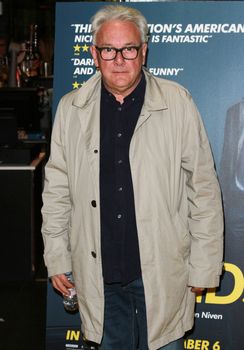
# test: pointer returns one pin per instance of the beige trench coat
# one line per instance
(177, 203)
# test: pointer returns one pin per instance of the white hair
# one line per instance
(120, 13)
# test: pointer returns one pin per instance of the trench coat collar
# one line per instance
(90, 91)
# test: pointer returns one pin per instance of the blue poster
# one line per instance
(201, 46)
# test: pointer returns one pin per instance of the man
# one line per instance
(232, 184)
(131, 202)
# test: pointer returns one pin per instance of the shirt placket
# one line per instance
(120, 159)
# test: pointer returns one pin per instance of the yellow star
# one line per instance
(75, 85)
(77, 48)
(85, 48)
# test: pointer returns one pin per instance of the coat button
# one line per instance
(94, 203)
(93, 254)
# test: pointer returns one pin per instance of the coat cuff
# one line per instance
(203, 279)
(59, 267)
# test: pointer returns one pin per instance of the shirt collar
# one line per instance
(137, 94)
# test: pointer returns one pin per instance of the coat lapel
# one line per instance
(88, 104)
(153, 101)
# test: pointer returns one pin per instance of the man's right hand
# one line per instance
(61, 283)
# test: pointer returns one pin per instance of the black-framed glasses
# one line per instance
(127, 52)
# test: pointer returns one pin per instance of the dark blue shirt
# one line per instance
(120, 250)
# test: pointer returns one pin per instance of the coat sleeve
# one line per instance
(56, 203)
(205, 217)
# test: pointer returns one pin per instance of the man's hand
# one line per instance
(61, 283)
(197, 290)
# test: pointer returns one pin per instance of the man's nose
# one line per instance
(119, 59)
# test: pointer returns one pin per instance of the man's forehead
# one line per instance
(129, 43)
(114, 22)
(121, 30)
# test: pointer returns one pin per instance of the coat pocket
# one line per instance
(183, 233)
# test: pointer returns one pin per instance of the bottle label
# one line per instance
(72, 292)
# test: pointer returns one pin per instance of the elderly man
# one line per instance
(131, 202)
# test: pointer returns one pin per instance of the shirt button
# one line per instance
(119, 216)
(119, 109)
(94, 255)
(120, 161)
(120, 189)
(94, 203)
(119, 134)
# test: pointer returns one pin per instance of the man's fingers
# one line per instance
(61, 283)
(197, 290)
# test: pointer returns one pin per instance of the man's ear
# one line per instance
(94, 55)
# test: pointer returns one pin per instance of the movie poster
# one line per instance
(201, 46)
